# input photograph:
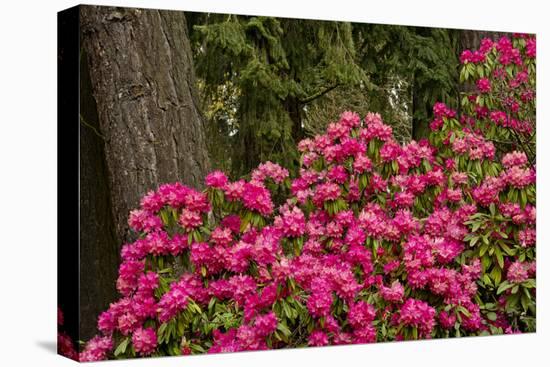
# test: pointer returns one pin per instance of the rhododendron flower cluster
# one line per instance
(419, 315)
(144, 341)
(96, 349)
(517, 272)
(371, 241)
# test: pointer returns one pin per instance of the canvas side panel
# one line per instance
(68, 172)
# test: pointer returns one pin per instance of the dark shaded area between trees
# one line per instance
(166, 96)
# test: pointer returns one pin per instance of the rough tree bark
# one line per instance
(98, 243)
(142, 79)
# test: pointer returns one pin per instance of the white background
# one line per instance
(28, 182)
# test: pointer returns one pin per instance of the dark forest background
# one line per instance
(167, 96)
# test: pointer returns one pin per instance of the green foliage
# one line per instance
(268, 69)
(268, 82)
(424, 59)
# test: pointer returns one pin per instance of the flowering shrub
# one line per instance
(504, 76)
(372, 241)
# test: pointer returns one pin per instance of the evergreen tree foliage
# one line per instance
(273, 68)
(423, 59)
(268, 82)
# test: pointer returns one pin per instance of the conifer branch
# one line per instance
(319, 94)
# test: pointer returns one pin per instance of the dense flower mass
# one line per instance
(144, 341)
(419, 315)
(372, 241)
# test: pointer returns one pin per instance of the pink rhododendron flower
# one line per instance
(483, 85)
(216, 179)
(317, 339)
(527, 237)
(107, 322)
(326, 192)
(361, 314)
(394, 293)
(319, 303)
(291, 221)
(144, 341)
(234, 190)
(418, 314)
(270, 170)
(517, 272)
(265, 324)
(190, 219)
(258, 198)
(447, 320)
(96, 349)
(531, 48)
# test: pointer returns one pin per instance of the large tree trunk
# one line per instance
(98, 242)
(152, 132)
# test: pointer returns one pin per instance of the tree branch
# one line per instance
(319, 94)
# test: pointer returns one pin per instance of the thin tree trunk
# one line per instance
(470, 39)
(420, 127)
(294, 108)
(142, 79)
